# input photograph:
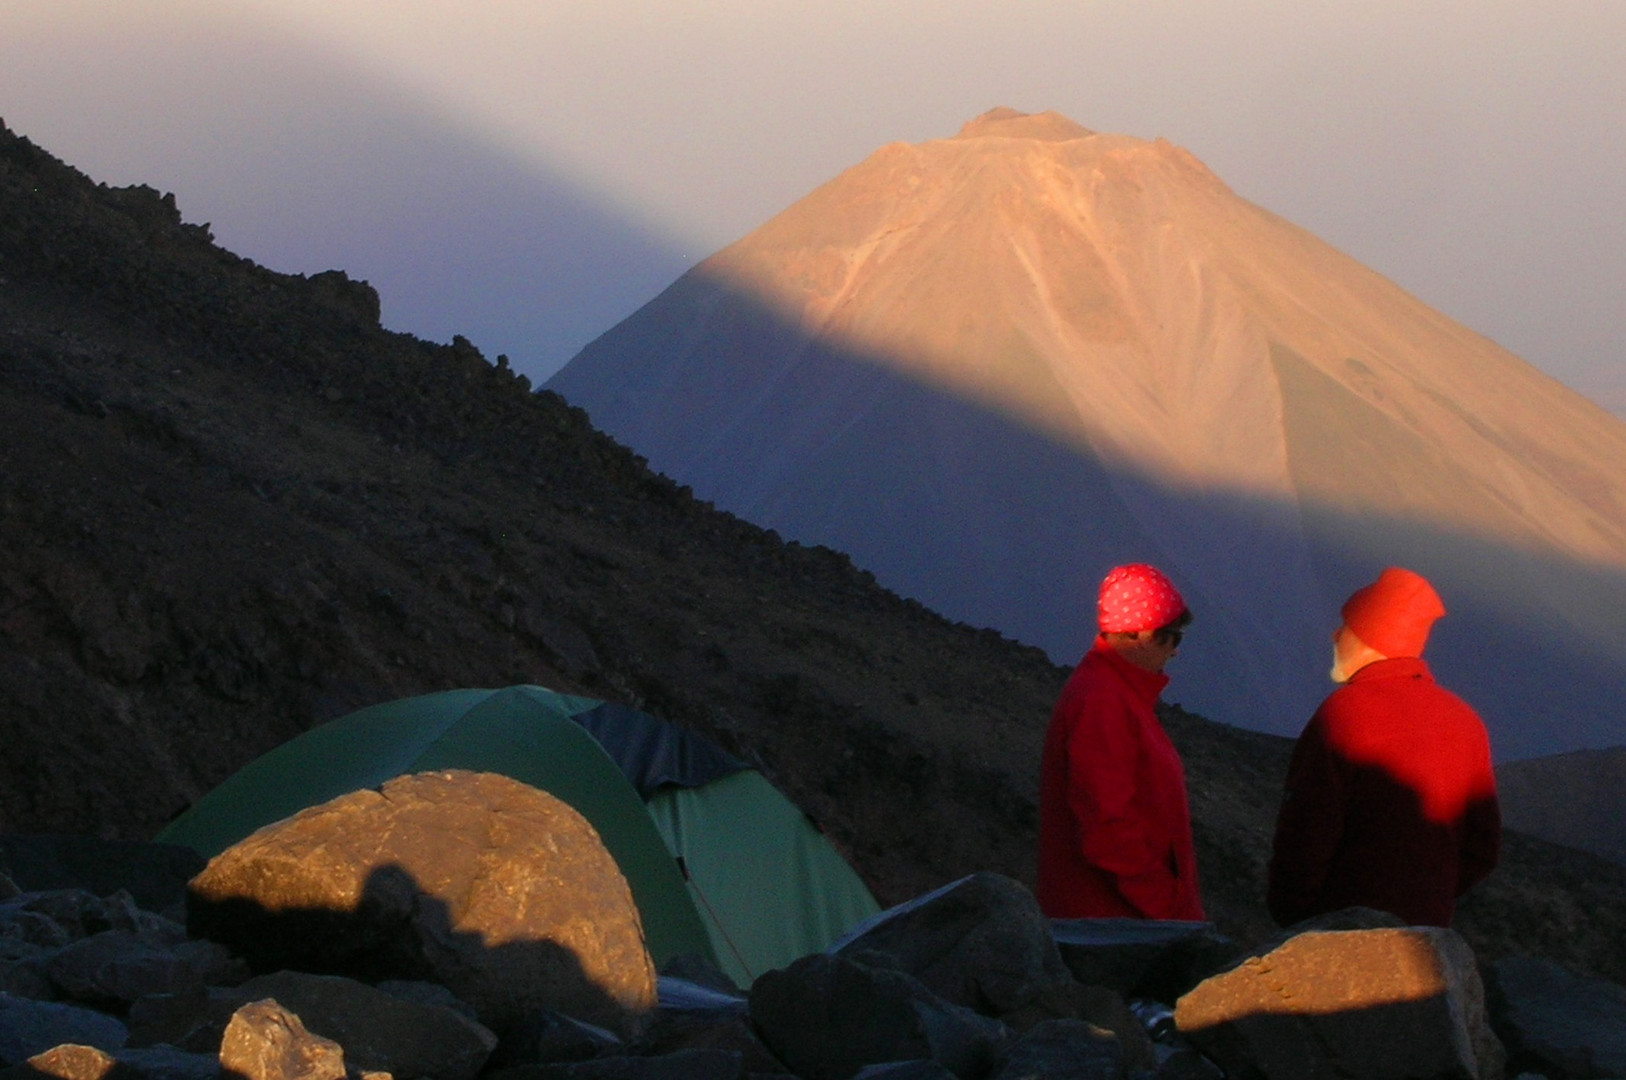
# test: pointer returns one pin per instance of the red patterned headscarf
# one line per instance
(1137, 597)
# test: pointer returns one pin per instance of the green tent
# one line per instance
(719, 862)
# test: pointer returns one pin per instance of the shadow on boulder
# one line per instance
(496, 890)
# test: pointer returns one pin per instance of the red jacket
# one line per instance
(1390, 801)
(1114, 824)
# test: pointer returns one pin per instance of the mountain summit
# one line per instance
(991, 366)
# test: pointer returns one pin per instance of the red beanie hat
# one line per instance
(1395, 613)
(1137, 597)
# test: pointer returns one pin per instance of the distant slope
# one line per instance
(1578, 799)
(994, 365)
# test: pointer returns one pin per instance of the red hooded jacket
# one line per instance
(1114, 823)
(1390, 801)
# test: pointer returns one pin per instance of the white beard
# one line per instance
(1337, 674)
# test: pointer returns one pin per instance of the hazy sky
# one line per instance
(528, 173)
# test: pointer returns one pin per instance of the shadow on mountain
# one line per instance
(985, 518)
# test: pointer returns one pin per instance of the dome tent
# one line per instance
(718, 861)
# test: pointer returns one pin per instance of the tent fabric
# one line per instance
(736, 833)
(653, 753)
(523, 732)
(719, 862)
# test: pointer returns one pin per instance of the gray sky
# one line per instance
(528, 173)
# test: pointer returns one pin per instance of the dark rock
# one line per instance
(498, 891)
(116, 967)
(692, 1016)
(980, 942)
(32, 1027)
(1143, 958)
(171, 1018)
(681, 1030)
(58, 916)
(357, 298)
(169, 1063)
(264, 1041)
(427, 993)
(20, 978)
(826, 1017)
(1556, 1022)
(1370, 1003)
(1062, 1050)
(546, 1037)
(155, 875)
(379, 1031)
(1187, 1064)
(682, 1065)
(904, 1070)
(1097, 1006)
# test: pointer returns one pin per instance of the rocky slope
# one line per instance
(231, 506)
(989, 367)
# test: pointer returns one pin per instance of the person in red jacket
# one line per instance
(1114, 822)
(1390, 800)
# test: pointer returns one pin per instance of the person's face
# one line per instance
(1349, 654)
(1151, 650)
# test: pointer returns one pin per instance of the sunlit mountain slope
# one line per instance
(991, 366)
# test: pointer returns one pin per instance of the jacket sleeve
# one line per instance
(1115, 835)
(1481, 829)
(1309, 827)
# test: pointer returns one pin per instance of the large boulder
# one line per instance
(500, 892)
(980, 942)
(1556, 1022)
(826, 1017)
(1396, 1003)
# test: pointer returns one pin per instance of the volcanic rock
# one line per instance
(1370, 1003)
(826, 1017)
(264, 1041)
(980, 942)
(155, 875)
(1062, 1050)
(500, 892)
(1557, 1022)
(1146, 958)
(121, 966)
